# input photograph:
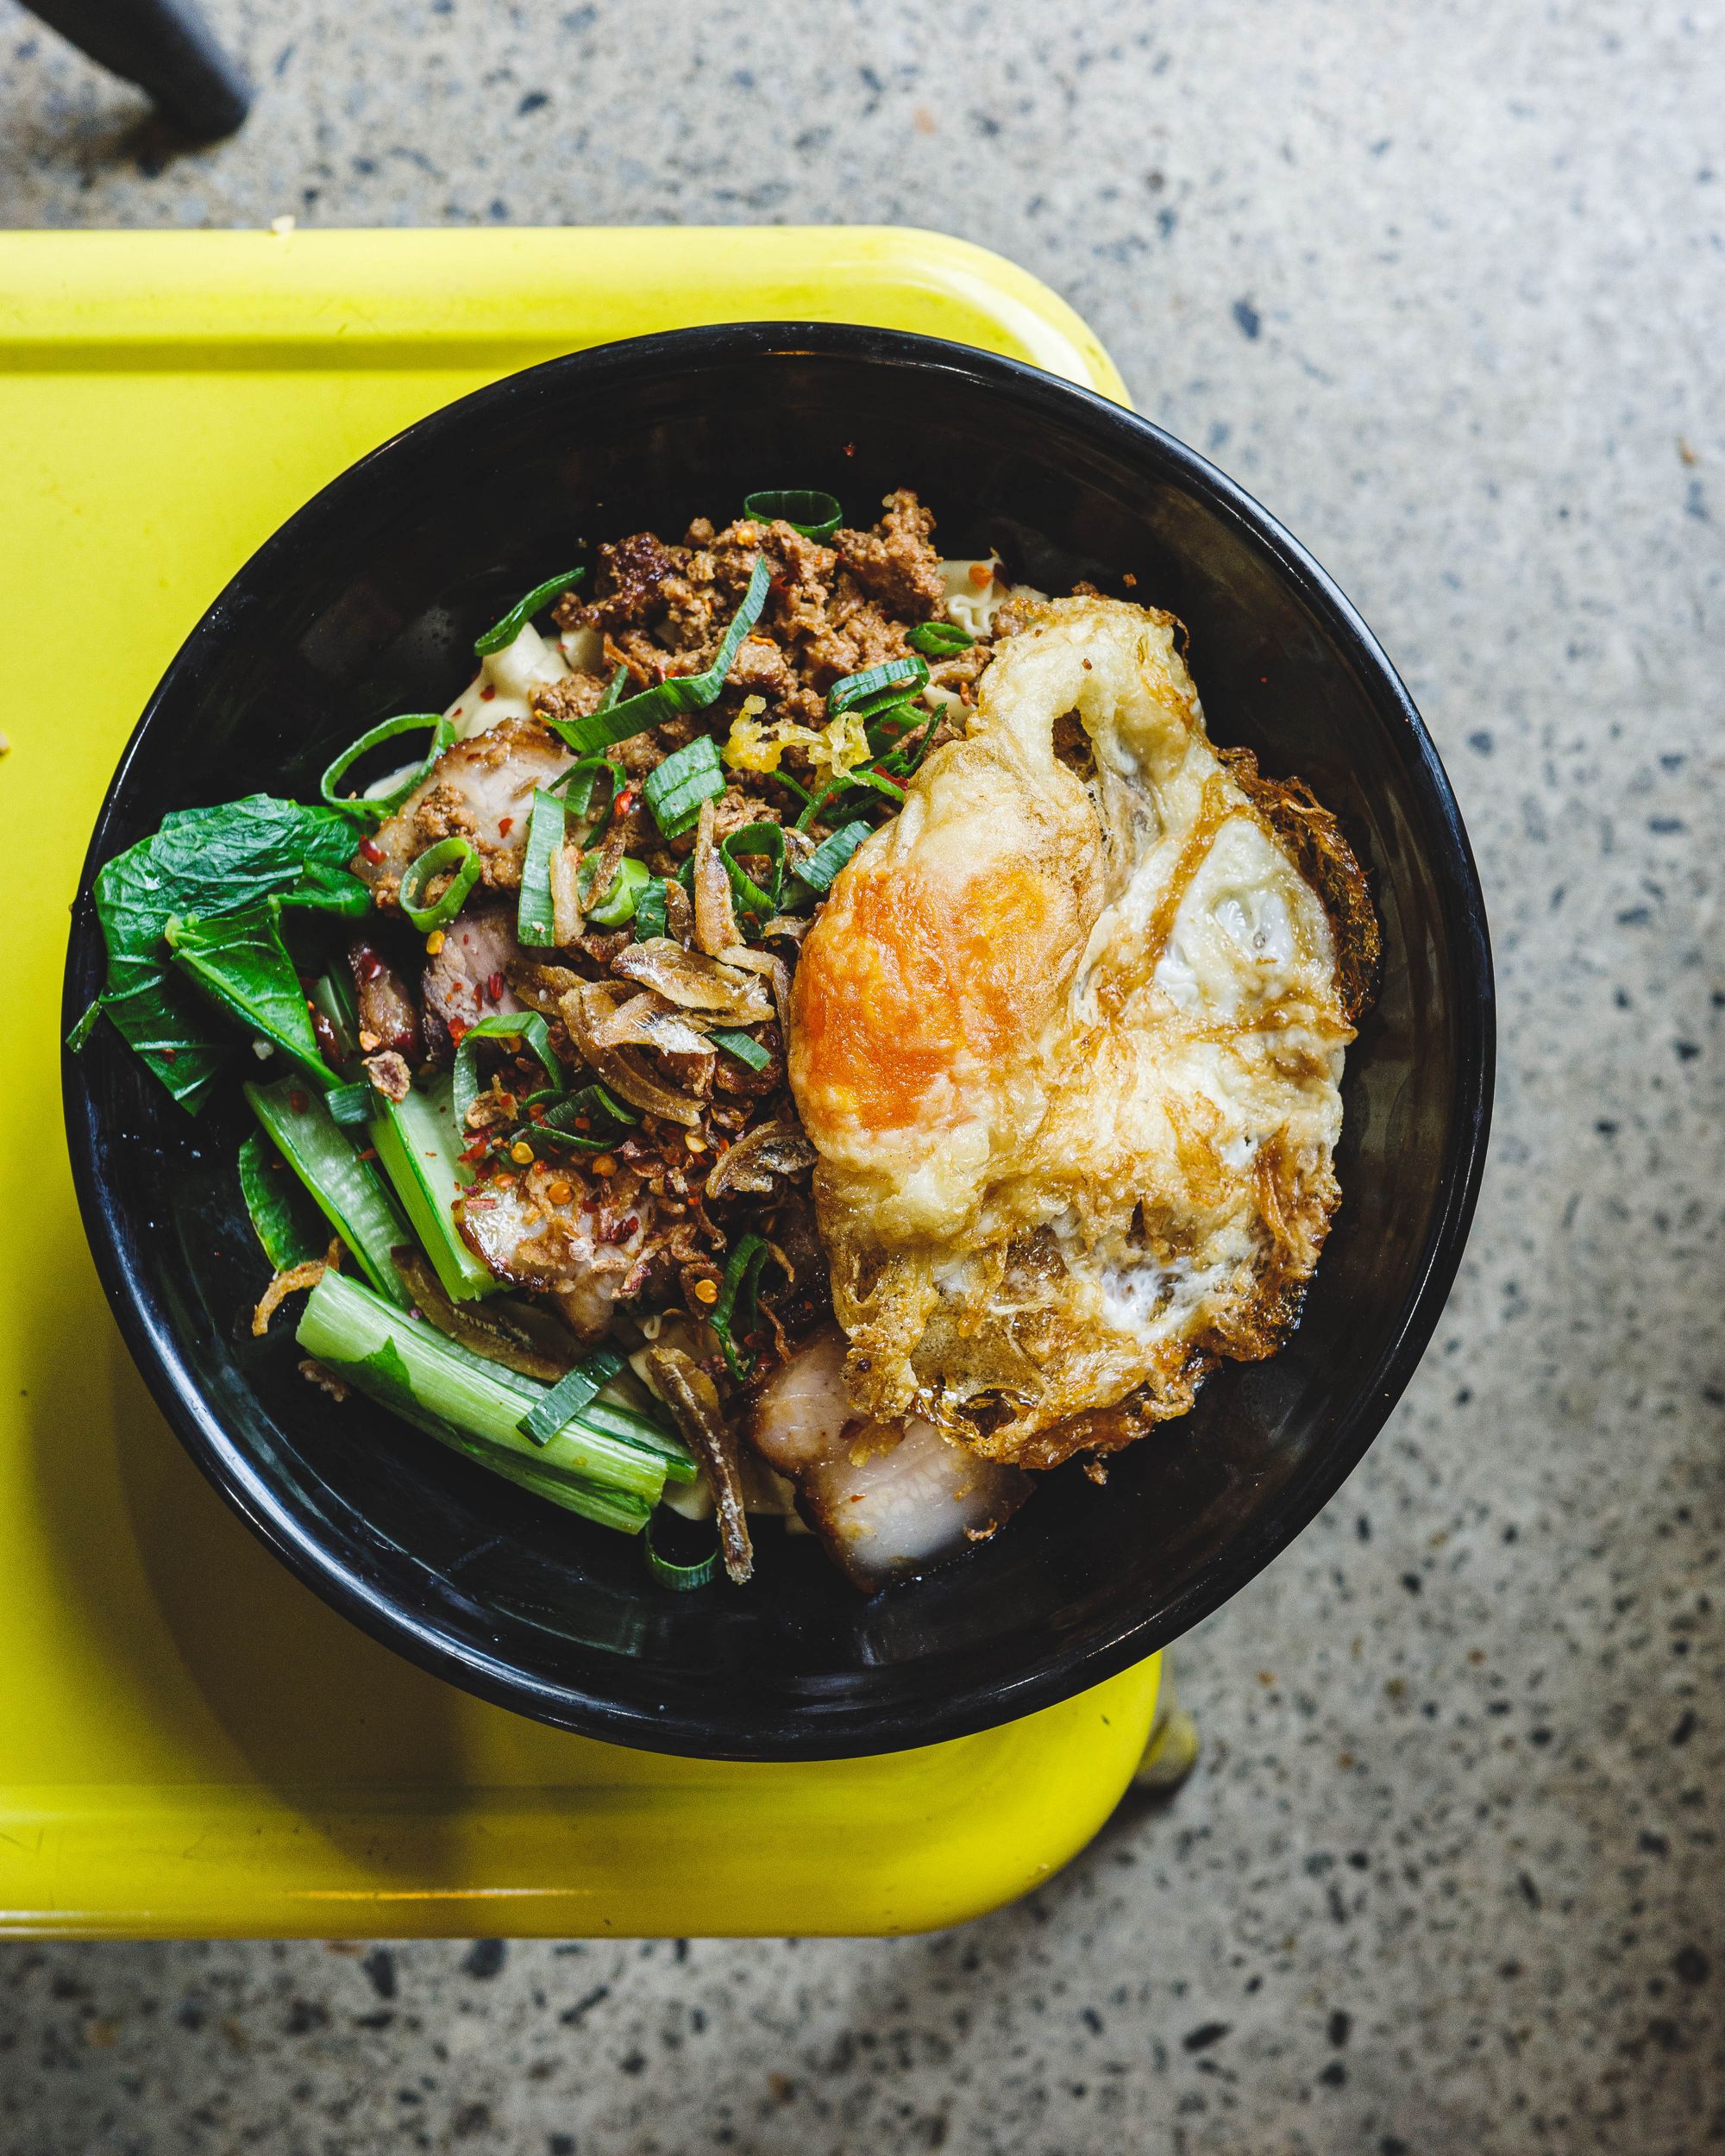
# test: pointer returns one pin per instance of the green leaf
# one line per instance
(807, 509)
(830, 856)
(240, 963)
(571, 1392)
(888, 683)
(650, 909)
(504, 633)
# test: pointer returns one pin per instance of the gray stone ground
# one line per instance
(1444, 286)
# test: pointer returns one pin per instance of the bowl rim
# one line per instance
(793, 1730)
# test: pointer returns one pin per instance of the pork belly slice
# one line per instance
(468, 980)
(481, 790)
(565, 1249)
(889, 1500)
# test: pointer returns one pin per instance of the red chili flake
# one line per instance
(457, 1028)
(505, 825)
(370, 1153)
(370, 850)
(488, 693)
(297, 1102)
(625, 802)
(368, 965)
(851, 448)
(535, 1115)
(582, 1122)
(494, 987)
(170, 1055)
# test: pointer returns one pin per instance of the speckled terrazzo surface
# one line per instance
(1445, 288)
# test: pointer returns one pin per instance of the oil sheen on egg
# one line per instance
(1068, 1040)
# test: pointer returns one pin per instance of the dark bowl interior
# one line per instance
(367, 604)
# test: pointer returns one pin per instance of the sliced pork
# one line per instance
(481, 790)
(888, 1499)
(468, 980)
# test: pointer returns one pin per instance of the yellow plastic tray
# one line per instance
(189, 1743)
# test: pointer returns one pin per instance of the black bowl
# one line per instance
(366, 603)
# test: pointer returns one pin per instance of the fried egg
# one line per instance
(1068, 1039)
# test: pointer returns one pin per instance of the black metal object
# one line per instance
(166, 47)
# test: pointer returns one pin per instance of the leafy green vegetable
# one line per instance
(285, 1222)
(201, 864)
(240, 963)
(738, 1290)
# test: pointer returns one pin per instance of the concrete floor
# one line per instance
(1445, 288)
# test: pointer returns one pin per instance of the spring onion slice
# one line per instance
(576, 783)
(830, 856)
(940, 639)
(534, 922)
(615, 909)
(613, 689)
(650, 909)
(502, 634)
(675, 789)
(571, 1392)
(760, 842)
(744, 1046)
(526, 1026)
(349, 1192)
(457, 854)
(348, 1105)
(281, 1218)
(871, 781)
(685, 692)
(807, 509)
(888, 683)
(740, 1285)
(680, 1578)
(377, 806)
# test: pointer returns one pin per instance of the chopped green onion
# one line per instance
(849, 783)
(283, 1220)
(650, 910)
(459, 854)
(613, 689)
(526, 1026)
(888, 683)
(741, 1285)
(830, 856)
(760, 842)
(499, 637)
(351, 1104)
(744, 1046)
(411, 1369)
(382, 805)
(685, 692)
(351, 1195)
(535, 920)
(576, 783)
(680, 1578)
(615, 908)
(571, 1392)
(940, 639)
(86, 1026)
(675, 789)
(807, 509)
